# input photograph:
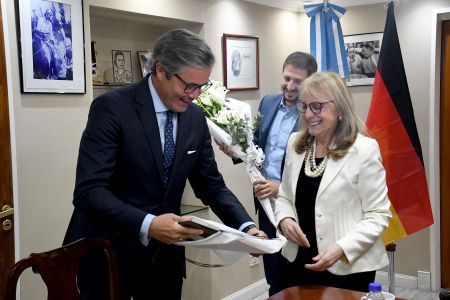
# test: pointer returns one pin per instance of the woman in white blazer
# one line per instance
(332, 204)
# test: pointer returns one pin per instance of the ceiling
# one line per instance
(297, 5)
(290, 5)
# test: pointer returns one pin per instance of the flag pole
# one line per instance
(390, 248)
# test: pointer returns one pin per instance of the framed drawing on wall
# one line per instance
(144, 58)
(52, 46)
(122, 70)
(240, 62)
(362, 56)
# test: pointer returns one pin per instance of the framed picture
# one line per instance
(122, 71)
(144, 58)
(52, 46)
(240, 62)
(96, 78)
(362, 55)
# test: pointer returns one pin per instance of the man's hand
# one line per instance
(259, 234)
(166, 229)
(292, 231)
(265, 188)
(326, 259)
(224, 148)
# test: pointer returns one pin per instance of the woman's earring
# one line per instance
(340, 118)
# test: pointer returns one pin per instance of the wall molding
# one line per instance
(252, 291)
(401, 280)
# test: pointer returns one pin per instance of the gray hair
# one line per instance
(301, 60)
(349, 124)
(179, 49)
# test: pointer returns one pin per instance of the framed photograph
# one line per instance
(240, 62)
(121, 62)
(362, 51)
(96, 78)
(52, 46)
(144, 58)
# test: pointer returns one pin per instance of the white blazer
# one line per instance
(352, 207)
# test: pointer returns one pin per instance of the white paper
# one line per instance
(230, 244)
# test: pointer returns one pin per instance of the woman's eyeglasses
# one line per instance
(315, 107)
(192, 87)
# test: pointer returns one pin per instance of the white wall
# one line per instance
(48, 127)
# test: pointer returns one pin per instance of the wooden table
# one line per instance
(318, 293)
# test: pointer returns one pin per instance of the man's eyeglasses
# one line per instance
(315, 107)
(192, 87)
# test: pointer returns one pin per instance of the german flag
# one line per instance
(391, 122)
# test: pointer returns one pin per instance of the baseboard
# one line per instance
(401, 280)
(252, 291)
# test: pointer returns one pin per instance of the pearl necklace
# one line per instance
(311, 169)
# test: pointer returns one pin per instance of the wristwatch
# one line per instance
(247, 228)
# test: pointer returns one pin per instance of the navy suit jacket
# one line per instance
(119, 170)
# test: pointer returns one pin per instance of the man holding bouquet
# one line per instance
(279, 118)
(141, 143)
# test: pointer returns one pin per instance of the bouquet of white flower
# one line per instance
(229, 121)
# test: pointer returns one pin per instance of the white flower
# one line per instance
(217, 92)
(205, 99)
(230, 115)
(222, 116)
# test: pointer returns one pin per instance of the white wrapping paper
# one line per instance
(230, 244)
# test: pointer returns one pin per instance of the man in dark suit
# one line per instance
(141, 143)
(280, 118)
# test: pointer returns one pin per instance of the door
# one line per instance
(445, 155)
(6, 193)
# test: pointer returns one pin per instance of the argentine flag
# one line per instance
(327, 41)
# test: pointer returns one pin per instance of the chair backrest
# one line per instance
(58, 269)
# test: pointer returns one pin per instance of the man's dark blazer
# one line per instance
(119, 171)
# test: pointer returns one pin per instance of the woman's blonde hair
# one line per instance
(349, 124)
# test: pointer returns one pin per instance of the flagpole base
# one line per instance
(390, 248)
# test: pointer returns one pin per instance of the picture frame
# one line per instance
(51, 46)
(122, 66)
(96, 77)
(362, 55)
(240, 62)
(144, 60)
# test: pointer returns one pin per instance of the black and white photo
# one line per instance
(362, 51)
(52, 51)
(144, 59)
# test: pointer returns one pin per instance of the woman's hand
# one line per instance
(292, 231)
(326, 259)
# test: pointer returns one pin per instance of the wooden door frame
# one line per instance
(439, 15)
(444, 158)
(7, 50)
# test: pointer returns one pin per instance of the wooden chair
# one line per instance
(58, 269)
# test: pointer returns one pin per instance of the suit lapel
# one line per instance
(332, 169)
(267, 118)
(146, 112)
(297, 162)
